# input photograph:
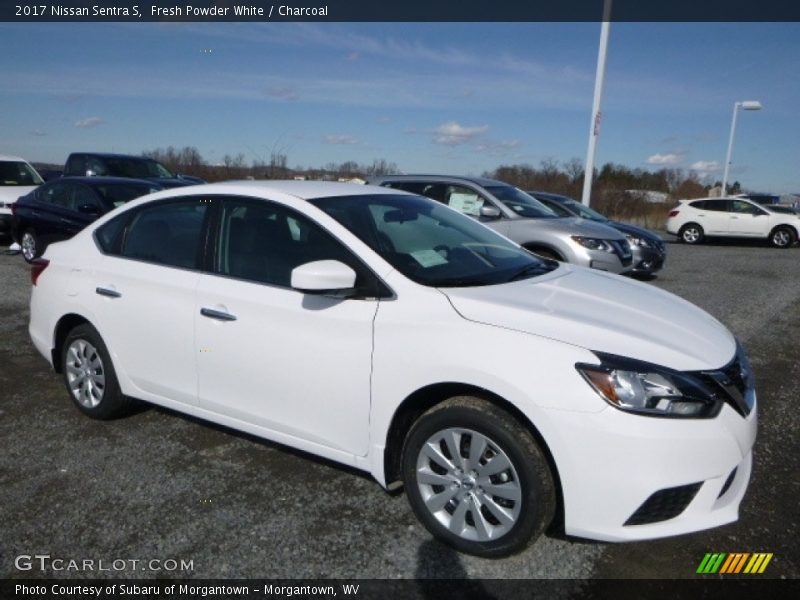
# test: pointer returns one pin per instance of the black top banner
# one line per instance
(398, 10)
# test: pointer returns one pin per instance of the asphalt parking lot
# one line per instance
(158, 485)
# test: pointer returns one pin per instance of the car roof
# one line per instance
(113, 155)
(482, 181)
(106, 180)
(8, 158)
(302, 190)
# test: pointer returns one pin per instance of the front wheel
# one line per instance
(89, 375)
(476, 478)
(782, 237)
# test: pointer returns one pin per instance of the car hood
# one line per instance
(605, 313)
(572, 226)
(10, 193)
(634, 230)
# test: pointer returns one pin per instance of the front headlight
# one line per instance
(593, 243)
(635, 240)
(648, 389)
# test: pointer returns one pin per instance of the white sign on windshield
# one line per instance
(469, 204)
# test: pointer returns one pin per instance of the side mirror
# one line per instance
(490, 212)
(323, 276)
(88, 209)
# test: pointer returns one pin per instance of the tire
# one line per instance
(89, 375)
(782, 237)
(691, 233)
(452, 498)
(31, 246)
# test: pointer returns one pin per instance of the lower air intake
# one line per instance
(664, 504)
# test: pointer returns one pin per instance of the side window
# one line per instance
(742, 207)
(96, 166)
(83, 196)
(263, 242)
(109, 235)
(57, 195)
(699, 204)
(464, 200)
(717, 205)
(167, 233)
(76, 165)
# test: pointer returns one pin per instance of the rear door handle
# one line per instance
(108, 292)
(217, 314)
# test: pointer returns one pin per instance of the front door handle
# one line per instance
(108, 292)
(217, 314)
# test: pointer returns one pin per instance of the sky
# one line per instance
(430, 97)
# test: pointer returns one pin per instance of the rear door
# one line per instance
(143, 295)
(712, 215)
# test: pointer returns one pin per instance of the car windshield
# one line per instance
(118, 194)
(14, 172)
(136, 167)
(584, 211)
(520, 202)
(430, 243)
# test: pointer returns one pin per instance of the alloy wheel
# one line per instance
(85, 373)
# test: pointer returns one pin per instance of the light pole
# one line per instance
(594, 126)
(745, 105)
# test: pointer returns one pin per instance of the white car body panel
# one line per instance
(328, 376)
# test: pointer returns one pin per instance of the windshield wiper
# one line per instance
(533, 270)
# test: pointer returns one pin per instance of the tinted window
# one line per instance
(57, 194)
(118, 194)
(109, 235)
(83, 196)
(556, 207)
(167, 234)
(264, 242)
(740, 206)
(713, 205)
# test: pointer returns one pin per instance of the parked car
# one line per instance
(649, 250)
(392, 334)
(59, 209)
(523, 219)
(694, 220)
(124, 165)
(17, 178)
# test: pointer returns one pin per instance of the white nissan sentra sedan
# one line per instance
(390, 333)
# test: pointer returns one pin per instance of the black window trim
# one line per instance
(130, 215)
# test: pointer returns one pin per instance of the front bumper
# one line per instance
(626, 477)
(647, 261)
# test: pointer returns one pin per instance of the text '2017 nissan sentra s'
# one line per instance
(389, 332)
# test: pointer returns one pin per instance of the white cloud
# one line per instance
(664, 159)
(340, 139)
(89, 122)
(454, 134)
(39, 132)
(706, 166)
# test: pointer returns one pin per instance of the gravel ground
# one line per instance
(158, 485)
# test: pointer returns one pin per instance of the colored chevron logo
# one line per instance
(734, 563)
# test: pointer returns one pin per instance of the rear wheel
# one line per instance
(691, 233)
(89, 375)
(782, 237)
(30, 245)
(476, 478)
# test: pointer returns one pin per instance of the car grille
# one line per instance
(736, 383)
(623, 250)
(664, 504)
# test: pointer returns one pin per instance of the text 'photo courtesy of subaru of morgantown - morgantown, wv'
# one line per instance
(501, 389)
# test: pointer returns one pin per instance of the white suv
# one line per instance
(693, 220)
(17, 178)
